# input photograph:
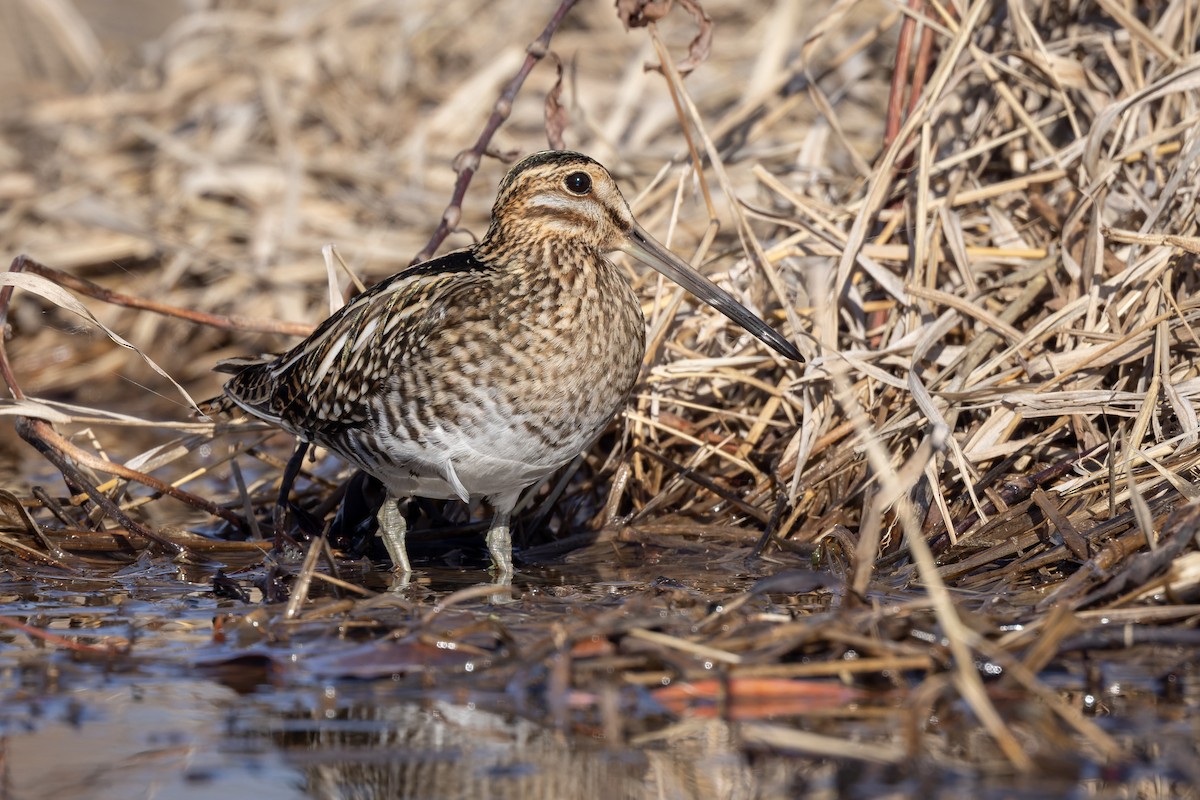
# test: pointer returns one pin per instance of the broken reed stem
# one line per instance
(33, 431)
(49, 438)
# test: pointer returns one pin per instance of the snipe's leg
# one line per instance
(279, 514)
(392, 528)
(499, 544)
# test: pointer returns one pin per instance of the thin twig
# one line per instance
(237, 322)
(468, 161)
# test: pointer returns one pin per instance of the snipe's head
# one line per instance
(558, 196)
(564, 196)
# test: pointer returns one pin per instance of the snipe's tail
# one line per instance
(250, 385)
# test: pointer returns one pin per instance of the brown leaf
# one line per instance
(640, 13)
(701, 46)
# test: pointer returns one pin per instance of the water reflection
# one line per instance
(444, 749)
(162, 740)
(199, 739)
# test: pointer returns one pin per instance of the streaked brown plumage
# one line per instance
(476, 374)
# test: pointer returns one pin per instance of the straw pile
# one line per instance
(993, 278)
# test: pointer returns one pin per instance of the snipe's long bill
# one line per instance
(646, 248)
(477, 374)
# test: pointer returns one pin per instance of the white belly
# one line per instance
(495, 460)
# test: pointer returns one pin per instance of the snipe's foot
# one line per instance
(392, 529)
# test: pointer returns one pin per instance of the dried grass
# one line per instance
(999, 304)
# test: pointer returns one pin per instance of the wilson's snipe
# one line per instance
(476, 374)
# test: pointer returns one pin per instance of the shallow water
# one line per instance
(185, 716)
(217, 697)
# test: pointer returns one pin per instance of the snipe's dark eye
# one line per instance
(578, 183)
